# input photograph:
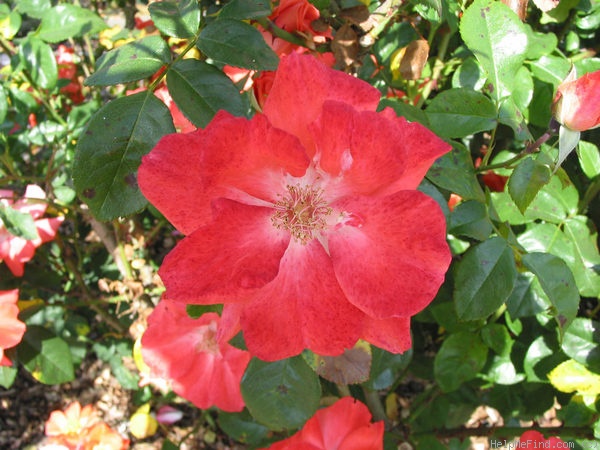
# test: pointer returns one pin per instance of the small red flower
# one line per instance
(16, 251)
(304, 221)
(186, 351)
(345, 425)
(11, 328)
(535, 439)
(577, 102)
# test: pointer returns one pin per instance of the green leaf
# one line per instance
(18, 223)
(503, 371)
(238, 44)
(567, 141)
(498, 39)
(245, 9)
(497, 338)
(282, 394)
(510, 115)
(581, 342)
(460, 358)
(200, 90)
(551, 69)
(33, 8)
(409, 112)
(67, 21)
(38, 59)
(558, 284)
(484, 279)
(243, 428)
(469, 74)
(585, 258)
(455, 172)
(526, 181)
(571, 376)
(527, 297)
(461, 112)
(7, 376)
(470, 219)
(46, 356)
(589, 158)
(541, 357)
(110, 150)
(386, 367)
(131, 62)
(176, 18)
(10, 22)
(540, 44)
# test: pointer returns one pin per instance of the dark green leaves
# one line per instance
(484, 279)
(200, 90)
(460, 358)
(460, 112)
(582, 342)
(223, 39)
(132, 61)
(66, 21)
(281, 394)
(245, 9)
(526, 181)
(110, 151)
(558, 284)
(38, 59)
(179, 18)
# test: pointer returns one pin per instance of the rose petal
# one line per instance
(226, 260)
(301, 86)
(392, 334)
(303, 307)
(232, 157)
(391, 258)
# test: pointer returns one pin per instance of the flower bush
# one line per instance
(299, 224)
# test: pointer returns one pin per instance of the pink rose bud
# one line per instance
(168, 415)
(577, 102)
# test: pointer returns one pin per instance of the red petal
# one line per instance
(232, 157)
(302, 84)
(226, 260)
(373, 152)
(303, 307)
(391, 258)
(391, 334)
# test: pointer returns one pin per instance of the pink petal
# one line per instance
(391, 334)
(232, 157)
(302, 84)
(390, 260)
(47, 228)
(11, 328)
(226, 260)
(303, 307)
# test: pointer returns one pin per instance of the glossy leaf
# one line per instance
(176, 18)
(10, 22)
(497, 338)
(541, 358)
(33, 8)
(282, 394)
(66, 21)
(238, 44)
(243, 428)
(527, 298)
(558, 283)
(589, 158)
(7, 376)
(455, 172)
(38, 59)
(526, 181)
(582, 342)
(484, 279)
(498, 39)
(46, 356)
(459, 359)
(461, 112)
(385, 368)
(470, 219)
(200, 90)
(110, 151)
(551, 69)
(571, 376)
(130, 62)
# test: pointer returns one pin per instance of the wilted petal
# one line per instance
(390, 260)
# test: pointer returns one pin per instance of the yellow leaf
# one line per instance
(571, 376)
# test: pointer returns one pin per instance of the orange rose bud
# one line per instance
(577, 102)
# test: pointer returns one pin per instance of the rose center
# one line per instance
(207, 339)
(302, 211)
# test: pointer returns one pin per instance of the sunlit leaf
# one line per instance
(571, 376)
